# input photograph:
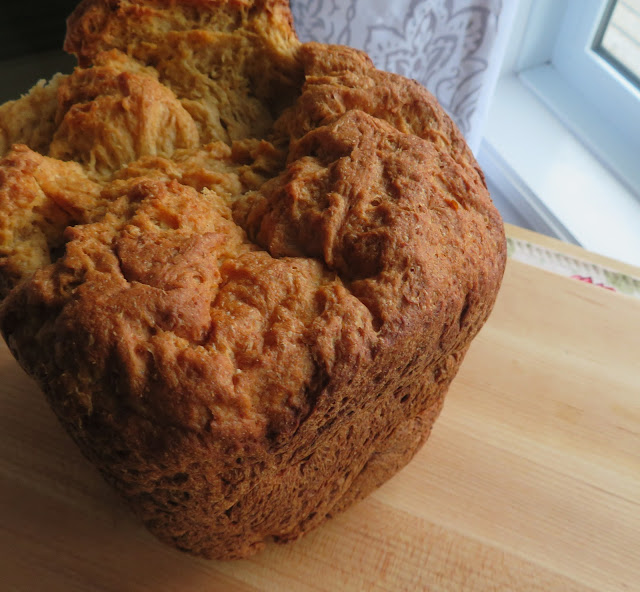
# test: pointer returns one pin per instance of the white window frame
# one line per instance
(609, 118)
(568, 164)
(582, 66)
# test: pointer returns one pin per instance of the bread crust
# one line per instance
(243, 288)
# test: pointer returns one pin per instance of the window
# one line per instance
(618, 40)
(562, 142)
(608, 119)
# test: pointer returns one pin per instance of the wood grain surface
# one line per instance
(530, 481)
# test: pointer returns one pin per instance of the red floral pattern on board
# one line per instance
(588, 280)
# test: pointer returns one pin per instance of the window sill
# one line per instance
(542, 170)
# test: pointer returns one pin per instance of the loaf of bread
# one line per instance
(243, 270)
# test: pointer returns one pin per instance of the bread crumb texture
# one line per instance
(244, 270)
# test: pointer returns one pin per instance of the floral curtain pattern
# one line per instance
(447, 45)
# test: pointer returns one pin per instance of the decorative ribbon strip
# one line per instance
(573, 267)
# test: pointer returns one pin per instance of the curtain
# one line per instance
(452, 47)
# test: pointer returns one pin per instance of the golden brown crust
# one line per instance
(107, 119)
(231, 63)
(243, 270)
(97, 25)
(31, 119)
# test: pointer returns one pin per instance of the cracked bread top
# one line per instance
(208, 220)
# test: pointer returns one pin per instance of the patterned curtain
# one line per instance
(451, 46)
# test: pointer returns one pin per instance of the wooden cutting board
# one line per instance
(530, 481)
